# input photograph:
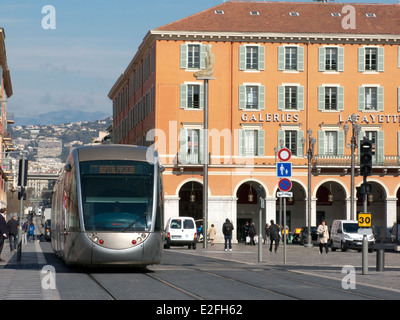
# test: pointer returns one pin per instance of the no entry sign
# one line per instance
(284, 154)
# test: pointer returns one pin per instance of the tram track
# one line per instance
(219, 272)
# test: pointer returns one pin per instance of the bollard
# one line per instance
(380, 260)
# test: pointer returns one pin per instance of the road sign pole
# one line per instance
(365, 240)
(284, 230)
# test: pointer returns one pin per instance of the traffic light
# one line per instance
(23, 175)
(366, 157)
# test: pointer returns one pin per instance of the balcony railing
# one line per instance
(345, 161)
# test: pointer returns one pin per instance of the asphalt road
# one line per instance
(214, 275)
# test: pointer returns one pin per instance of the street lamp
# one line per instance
(310, 154)
(356, 128)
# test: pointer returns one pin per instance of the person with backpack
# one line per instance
(32, 231)
(227, 229)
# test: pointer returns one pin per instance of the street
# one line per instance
(218, 275)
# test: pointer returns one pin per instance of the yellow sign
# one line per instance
(364, 220)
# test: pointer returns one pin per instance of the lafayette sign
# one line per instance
(294, 117)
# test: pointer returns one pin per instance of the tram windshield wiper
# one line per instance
(144, 215)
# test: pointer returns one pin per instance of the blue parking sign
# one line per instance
(284, 169)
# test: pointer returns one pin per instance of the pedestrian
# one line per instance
(12, 226)
(252, 233)
(32, 232)
(211, 234)
(3, 230)
(246, 232)
(323, 236)
(25, 227)
(266, 241)
(274, 235)
(227, 229)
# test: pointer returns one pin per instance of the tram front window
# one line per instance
(117, 195)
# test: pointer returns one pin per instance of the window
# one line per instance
(330, 98)
(331, 143)
(190, 149)
(193, 56)
(370, 99)
(192, 96)
(251, 57)
(291, 58)
(291, 141)
(251, 96)
(193, 142)
(371, 59)
(290, 97)
(251, 142)
(331, 59)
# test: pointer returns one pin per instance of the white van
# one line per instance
(180, 231)
(344, 235)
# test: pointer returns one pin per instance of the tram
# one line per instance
(108, 207)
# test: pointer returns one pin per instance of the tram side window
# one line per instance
(72, 201)
(160, 206)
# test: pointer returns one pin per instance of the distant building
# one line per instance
(49, 148)
(281, 69)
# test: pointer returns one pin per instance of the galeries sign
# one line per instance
(294, 117)
(270, 117)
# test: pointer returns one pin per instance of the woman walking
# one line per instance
(323, 236)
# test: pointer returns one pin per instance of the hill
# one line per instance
(60, 117)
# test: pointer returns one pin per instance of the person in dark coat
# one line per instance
(274, 235)
(12, 226)
(252, 233)
(227, 229)
(3, 230)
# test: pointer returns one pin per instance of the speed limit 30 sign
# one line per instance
(364, 220)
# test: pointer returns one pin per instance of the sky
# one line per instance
(74, 64)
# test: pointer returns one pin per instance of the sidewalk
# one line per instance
(21, 280)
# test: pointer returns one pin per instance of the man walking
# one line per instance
(274, 235)
(3, 230)
(227, 229)
(12, 226)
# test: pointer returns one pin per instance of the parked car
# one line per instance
(304, 235)
(344, 235)
(180, 231)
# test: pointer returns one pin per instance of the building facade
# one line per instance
(284, 73)
(6, 91)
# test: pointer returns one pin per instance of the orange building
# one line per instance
(6, 145)
(281, 69)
